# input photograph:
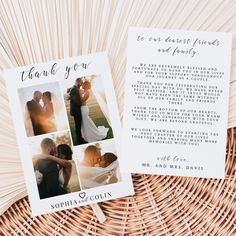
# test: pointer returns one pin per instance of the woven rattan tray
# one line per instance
(162, 205)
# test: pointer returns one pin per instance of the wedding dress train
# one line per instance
(91, 177)
(90, 132)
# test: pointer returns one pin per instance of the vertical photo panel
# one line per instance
(43, 109)
(87, 110)
(54, 164)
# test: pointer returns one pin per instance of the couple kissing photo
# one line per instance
(43, 110)
(55, 169)
(87, 110)
(98, 164)
(60, 170)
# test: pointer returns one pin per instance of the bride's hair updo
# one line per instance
(87, 84)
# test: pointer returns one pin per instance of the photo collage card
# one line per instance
(68, 130)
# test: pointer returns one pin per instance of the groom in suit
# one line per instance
(75, 109)
(50, 185)
(36, 113)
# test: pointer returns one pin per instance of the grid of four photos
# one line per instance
(70, 136)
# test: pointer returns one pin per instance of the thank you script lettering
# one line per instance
(52, 70)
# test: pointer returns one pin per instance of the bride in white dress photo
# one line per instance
(90, 132)
(87, 110)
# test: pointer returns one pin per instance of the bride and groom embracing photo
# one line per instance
(87, 120)
(43, 109)
(55, 169)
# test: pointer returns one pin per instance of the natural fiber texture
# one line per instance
(162, 205)
(33, 31)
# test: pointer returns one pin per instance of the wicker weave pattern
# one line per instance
(162, 205)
